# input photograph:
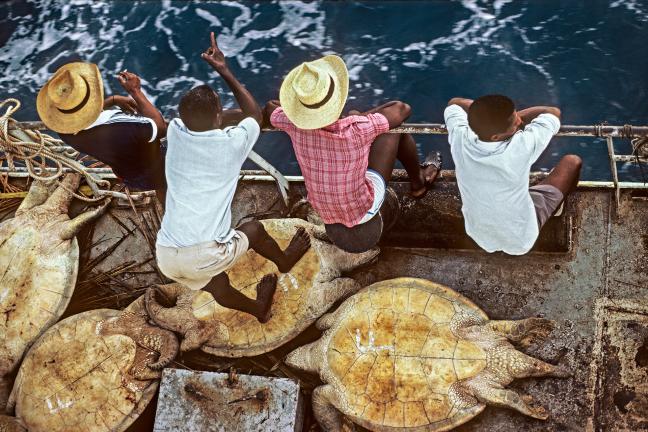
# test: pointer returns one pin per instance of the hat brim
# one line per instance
(70, 123)
(315, 118)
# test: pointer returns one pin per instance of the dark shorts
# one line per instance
(546, 199)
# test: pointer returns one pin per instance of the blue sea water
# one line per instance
(587, 56)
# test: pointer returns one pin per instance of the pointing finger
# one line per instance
(213, 41)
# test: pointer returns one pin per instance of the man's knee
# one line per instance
(252, 230)
(574, 161)
(404, 109)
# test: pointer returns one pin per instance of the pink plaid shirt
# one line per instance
(333, 161)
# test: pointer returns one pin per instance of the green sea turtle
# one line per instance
(410, 355)
(39, 259)
(303, 294)
(95, 371)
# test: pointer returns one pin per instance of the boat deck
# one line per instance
(589, 273)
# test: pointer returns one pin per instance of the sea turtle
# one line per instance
(303, 294)
(411, 355)
(39, 259)
(95, 371)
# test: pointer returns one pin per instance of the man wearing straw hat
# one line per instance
(120, 131)
(346, 162)
(196, 243)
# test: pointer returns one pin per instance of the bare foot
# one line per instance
(265, 291)
(296, 249)
(430, 170)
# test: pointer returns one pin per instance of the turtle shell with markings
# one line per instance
(95, 371)
(412, 355)
(302, 296)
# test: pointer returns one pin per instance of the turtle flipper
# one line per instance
(161, 341)
(339, 261)
(60, 199)
(326, 414)
(71, 228)
(37, 195)
(511, 399)
(178, 318)
(523, 332)
(307, 357)
(322, 299)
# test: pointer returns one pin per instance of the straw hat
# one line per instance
(313, 94)
(72, 99)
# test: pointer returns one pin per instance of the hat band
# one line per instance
(327, 98)
(83, 102)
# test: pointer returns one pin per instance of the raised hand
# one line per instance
(129, 81)
(214, 56)
(126, 103)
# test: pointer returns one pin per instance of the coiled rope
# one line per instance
(36, 150)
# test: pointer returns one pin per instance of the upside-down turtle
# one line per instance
(95, 371)
(302, 296)
(39, 260)
(411, 355)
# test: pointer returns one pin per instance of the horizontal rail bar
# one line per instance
(630, 158)
(254, 175)
(626, 131)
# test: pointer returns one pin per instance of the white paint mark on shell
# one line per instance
(292, 279)
(60, 405)
(371, 347)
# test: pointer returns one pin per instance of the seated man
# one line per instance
(127, 139)
(196, 244)
(493, 147)
(347, 162)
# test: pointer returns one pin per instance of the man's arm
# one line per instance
(462, 102)
(126, 103)
(527, 115)
(132, 84)
(249, 106)
(396, 112)
(269, 108)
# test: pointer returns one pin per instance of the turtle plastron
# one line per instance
(409, 354)
(39, 257)
(304, 293)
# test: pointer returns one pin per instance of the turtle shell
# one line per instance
(36, 287)
(75, 379)
(393, 356)
(246, 335)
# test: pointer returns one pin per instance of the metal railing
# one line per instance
(609, 132)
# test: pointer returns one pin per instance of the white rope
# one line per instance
(41, 155)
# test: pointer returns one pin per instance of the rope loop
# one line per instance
(38, 152)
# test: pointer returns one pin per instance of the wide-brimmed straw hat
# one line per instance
(314, 93)
(72, 99)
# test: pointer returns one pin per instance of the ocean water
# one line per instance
(587, 56)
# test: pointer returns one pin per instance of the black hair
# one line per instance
(199, 107)
(490, 115)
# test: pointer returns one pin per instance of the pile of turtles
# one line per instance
(401, 354)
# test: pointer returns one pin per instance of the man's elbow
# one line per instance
(455, 101)
(555, 111)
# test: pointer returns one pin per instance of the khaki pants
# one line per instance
(195, 266)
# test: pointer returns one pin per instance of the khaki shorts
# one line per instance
(546, 199)
(195, 266)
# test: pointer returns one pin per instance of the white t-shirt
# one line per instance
(202, 171)
(493, 179)
(118, 116)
